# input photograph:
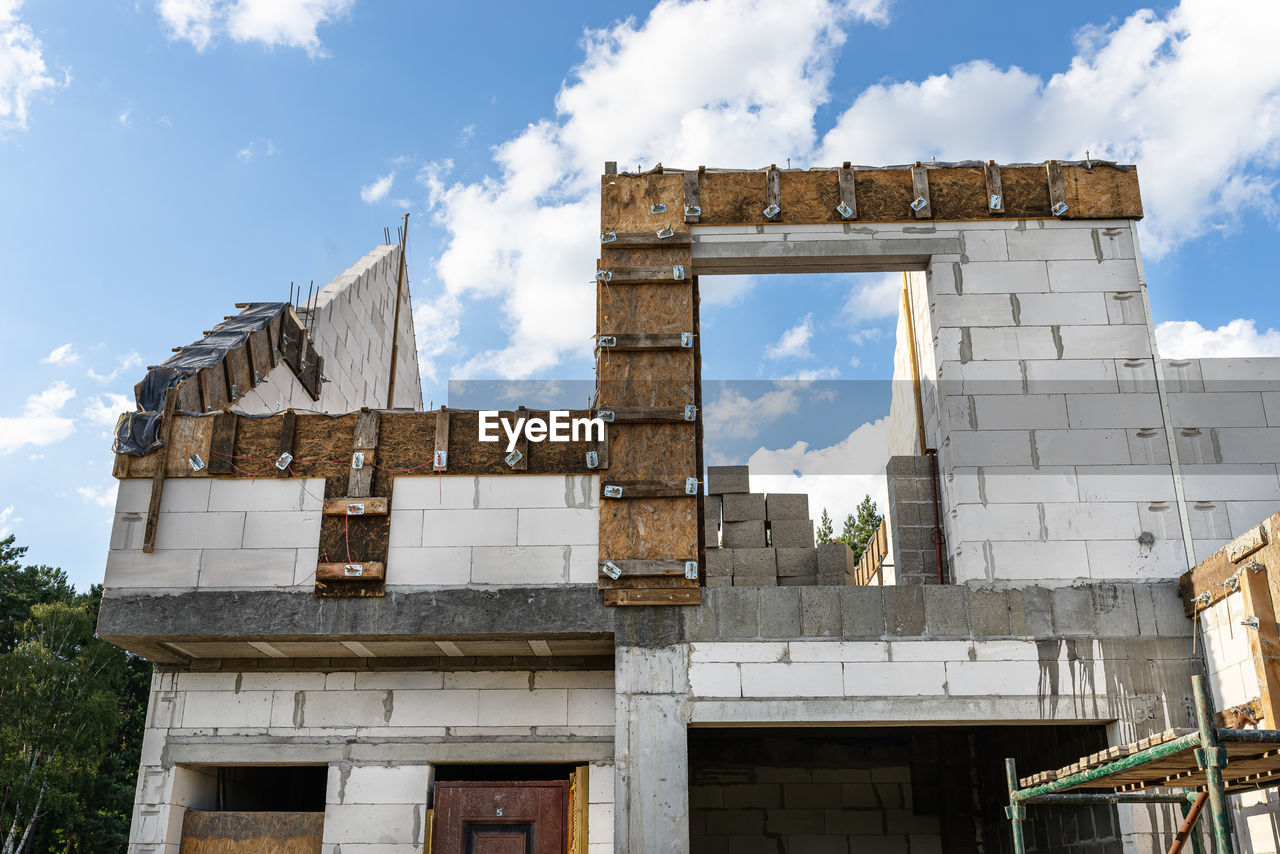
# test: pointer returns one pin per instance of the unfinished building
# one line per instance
(374, 632)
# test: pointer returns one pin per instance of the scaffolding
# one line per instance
(1198, 767)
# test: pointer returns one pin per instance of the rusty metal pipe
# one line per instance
(1189, 823)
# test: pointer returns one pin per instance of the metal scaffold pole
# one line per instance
(1016, 812)
(1212, 757)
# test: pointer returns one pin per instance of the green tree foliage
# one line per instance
(72, 714)
(824, 528)
(860, 528)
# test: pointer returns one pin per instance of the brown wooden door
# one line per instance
(500, 818)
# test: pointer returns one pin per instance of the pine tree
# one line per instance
(859, 531)
(824, 528)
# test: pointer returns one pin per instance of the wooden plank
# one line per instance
(646, 568)
(222, 444)
(259, 350)
(292, 341)
(157, 480)
(732, 198)
(368, 506)
(288, 426)
(239, 375)
(365, 441)
(647, 378)
(991, 175)
(645, 239)
(579, 789)
(366, 571)
(772, 194)
(665, 488)
(522, 442)
(692, 205)
(440, 453)
(1057, 187)
(654, 596)
(601, 447)
(645, 274)
(848, 192)
(920, 192)
(1204, 584)
(646, 414)
(213, 388)
(312, 365)
(645, 341)
(273, 338)
(656, 309)
(189, 399)
(1264, 643)
(653, 451)
(240, 832)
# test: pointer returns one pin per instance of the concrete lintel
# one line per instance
(128, 616)
(851, 254)
(229, 751)
(489, 751)
(900, 711)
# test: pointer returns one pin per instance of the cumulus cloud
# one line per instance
(794, 343)
(1152, 90)
(22, 68)
(127, 363)
(724, 291)
(61, 356)
(1239, 338)
(104, 410)
(103, 496)
(835, 477)
(288, 23)
(39, 423)
(377, 191)
(7, 521)
(735, 415)
(874, 298)
(256, 148)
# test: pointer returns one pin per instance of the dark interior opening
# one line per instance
(885, 790)
(272, 788)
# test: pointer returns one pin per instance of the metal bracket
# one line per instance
(604, 276)
(593, 460)
(690, 486)
(612, 491)
(608, 341)
(1211, 757)
(677, 272)
(441, 460)
(660, 207)
(995, 202)
(357, 460)
(1232, 584)
(771, 211)
(1059, 209)
(355, 509)
(196, 462)
(608, 236)
(605, 415)
(258, 378)
(1250, 622)
(690, 412)
(353, 570)
(235, 392)
(920, 203)
(692, 210)
(844, 210)
(691, 570)
(1203, 600)
(686, 340)
(283, 462)
(611, 569)
(665, 232)
(513, 458)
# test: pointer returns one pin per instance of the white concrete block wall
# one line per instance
(218, 534)
(370, 806)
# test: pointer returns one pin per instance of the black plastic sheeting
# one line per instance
(139, 433)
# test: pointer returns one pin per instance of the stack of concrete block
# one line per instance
(835, 564)
(911, 519)
(764, 541)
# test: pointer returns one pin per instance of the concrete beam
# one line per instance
(855, 253)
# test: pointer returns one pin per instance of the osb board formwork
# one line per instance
(1249, 564)
(252, 832)
(957, 193)
(661, 447)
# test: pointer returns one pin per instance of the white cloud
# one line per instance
(256, 148)
(835, 477)
(377, 191)
(808, 375)
(103, 496)
(125, 116)
(436, 325)
(290, 23)
(39, 423)
(733, 415)
(22, 69)
(724, 291)
(104, 410)
(1154, 90)
(1239, 338)
(61, 356)
(760, 82)
(875, 298)
(133, 360)
(794, 343)
(7, 521)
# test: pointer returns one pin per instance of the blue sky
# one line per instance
(161, 161)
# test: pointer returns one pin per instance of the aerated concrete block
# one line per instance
(745, 507)
(787, 505)
(904, 611)
(835, 558)
(780, 613)
(791, 533)
(1073, 611)
(728, 480)
(797, 562)
(755, 563)
(719, 563)
(820, 613)
(946, 610)
(743, 535)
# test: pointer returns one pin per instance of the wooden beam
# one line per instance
(367, 571)
(1264, 642)
(667, 488)
(646, 414)
(692, 205)
(440, 456)
(920, 192)
(645, 341)
(222, 444)
(360, 481)
(1057, 188)
(645, 239)
(288, 427)
(654, 596)
(991, 173)
(157, 480)
(650, 274)
(645, 568)
(848, 193)
(367, 506)
(773, 193)
(522, 441)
